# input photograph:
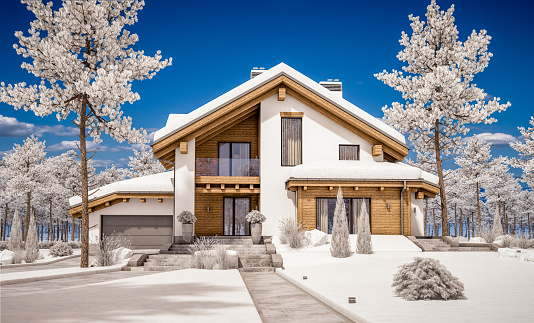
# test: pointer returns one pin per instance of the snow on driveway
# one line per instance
(498, 290)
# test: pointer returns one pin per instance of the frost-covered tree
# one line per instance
(497, 226)
(15, 238)
(474, 162)
(31, 249)
(86, 63)
(143, 163)
(426, 278)
(340, 244)
(364, 244)
(440, 95)
(526, 150)
(22, 170)
(110, 175)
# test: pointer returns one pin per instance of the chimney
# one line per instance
(256, 71)
(333, 85)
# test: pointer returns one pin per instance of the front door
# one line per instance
(235, 213)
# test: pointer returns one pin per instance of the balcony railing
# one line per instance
(227, 167)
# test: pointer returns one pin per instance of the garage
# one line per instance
(147, 231)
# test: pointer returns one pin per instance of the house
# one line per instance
(280, 143)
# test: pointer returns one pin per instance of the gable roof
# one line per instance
(184, 127)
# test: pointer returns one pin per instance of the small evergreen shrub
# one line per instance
(255, 217)
(202, 251)
(105, 255)
(46, 244)
(221, 258)
(364, 244)
(186, 217)
(292, 233)
(60, 249)
(340, 244)
(15, 237)
(31, 249)
(426, 278)
(3, 245)
(505, 241)
(18, 256)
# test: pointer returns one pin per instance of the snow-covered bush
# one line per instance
(486, 234)
(31, 249)
(426, 278)
(255, 217)
(18, 256)
(15, 238)
(497, 226)
(504, 241)
(364, 244)
(106, 254)
(207, 254)
(291, 232)
(523, 243)
(60, 249)
(186, 217)
(340, 244)
(3, 245)
(221, 258)
(75, 244)
(46, 244)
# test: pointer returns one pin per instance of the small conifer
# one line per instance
(340, 245)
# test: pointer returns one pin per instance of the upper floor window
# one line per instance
(291, 141)
(234, 159)
(349, 152)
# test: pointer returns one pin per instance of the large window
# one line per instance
(349, 152)
(325, 208)
(291, 141)
(234, 159)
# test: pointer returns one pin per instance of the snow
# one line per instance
(360, 170)
(44, 256)
(522, 254)
(177, 122)
(477, 240)
(157, 183)
(316, 238)
(495, 288)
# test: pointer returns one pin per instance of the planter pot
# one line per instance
(187, 232)
(255, 231)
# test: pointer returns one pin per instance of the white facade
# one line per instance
(184, 184)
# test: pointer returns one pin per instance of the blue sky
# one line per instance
(215, 44)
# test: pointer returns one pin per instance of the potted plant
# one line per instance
(255, 218)
(188, 219)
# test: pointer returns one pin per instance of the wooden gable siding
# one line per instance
(211, 223)
(383, 220)
(245, 131)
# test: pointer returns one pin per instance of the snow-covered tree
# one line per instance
(86, 63)
(143, 163)
(497, 226)
(364, 244)
(15, 238)
(31, 247)
(340, 244)
(22, 170)
(110, 175)
(526, 150)
(440, 95)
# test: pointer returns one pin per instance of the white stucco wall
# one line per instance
(418, 218)
(184, 185)
(133, 207)
(321, 138)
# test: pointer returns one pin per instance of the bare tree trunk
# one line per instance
(478, 210)
(442, 191)
(426, 217)
(455, 222)
(435, 227)
(528, 223)
(461, 224)
(28, 210)
(468, 232)
(84, 260)
(505, 218)
(473, 226)
(72, 234)
(5, 224)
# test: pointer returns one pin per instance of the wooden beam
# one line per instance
(227, 180)
(251, 186)
(419, 195)
(281, 94)
(208, 186)
(90, 210)
(305, 188)
(356, 188)
(291, 114)
(183, 147)
(107, 204)
(381, 188)
(330, 188)
(160, 200)
(377, 150)
(143, 200)
(236, 186)
(125, 200)
(223, 187)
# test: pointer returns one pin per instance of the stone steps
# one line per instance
(257, 269)
(255, 261)
(438, 245)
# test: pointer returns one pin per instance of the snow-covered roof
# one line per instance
(150, 184)
(361, 171)
(177, 122)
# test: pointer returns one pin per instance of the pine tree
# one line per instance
(84, 59)
(143, 163)
(497, 226)
(15, 237)
(364, 245)
(440, 95)
(340, 245)
(526, 150)
(31, 247)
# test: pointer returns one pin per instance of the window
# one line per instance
(325, 208)
(349, 152)
(234, 159)
(291, 141)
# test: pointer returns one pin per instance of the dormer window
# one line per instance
(349, 152)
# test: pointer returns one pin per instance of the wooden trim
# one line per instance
(160, 200)
(419, 195)
(143, 200)
(183, 147)
(116, 198)
(428, 189)
(230, 124)
(208, 186)
(377, 150)
(214, 190)
(227, 180)
(291, 114)
(281, 93)
(126, 200)
(106, 204)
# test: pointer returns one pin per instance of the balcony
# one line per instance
(234, 167)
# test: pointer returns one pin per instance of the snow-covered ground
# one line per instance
(498, 289)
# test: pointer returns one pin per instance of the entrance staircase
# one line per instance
(251, 257)
(438, 244)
